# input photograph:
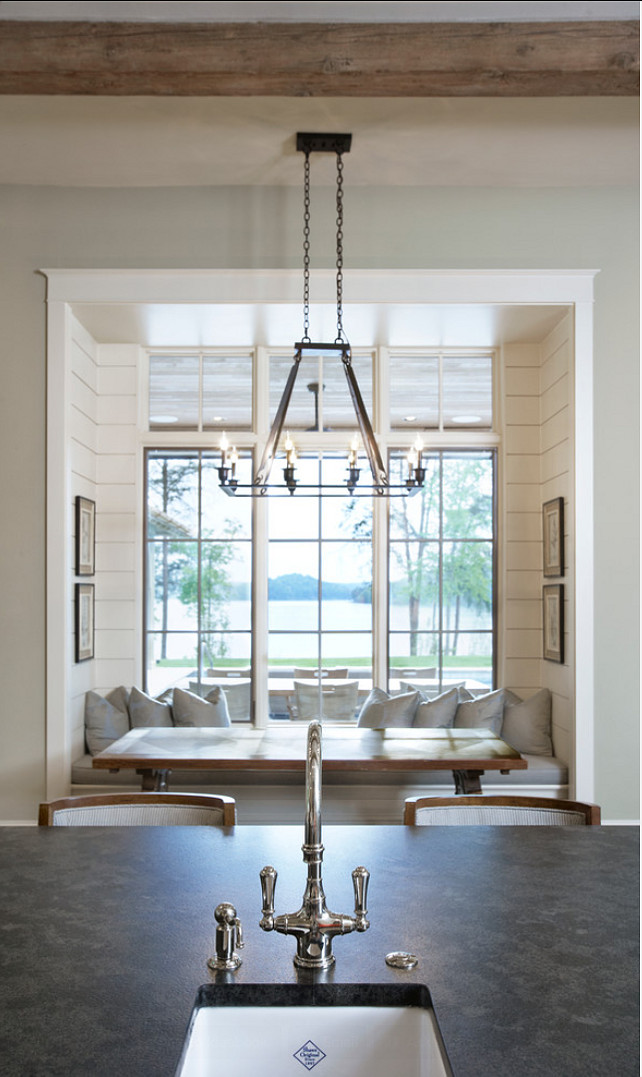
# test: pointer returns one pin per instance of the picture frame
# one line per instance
(84, 621)
(553, 536)
(85, 536)
(553, 621)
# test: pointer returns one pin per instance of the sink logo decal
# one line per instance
(309, 1055)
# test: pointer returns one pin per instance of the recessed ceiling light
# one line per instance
(163, 418)
(466, 420)
(217, 418)
(410, 418)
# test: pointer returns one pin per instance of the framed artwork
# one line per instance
(553, 600)
(84, 618)
(85, 536)
(553, 534)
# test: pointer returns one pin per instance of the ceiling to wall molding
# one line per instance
(339, 11)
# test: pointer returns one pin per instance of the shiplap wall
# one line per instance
(83, 434)
(105, 467)
(538, 466)
(557, 480)
(522, 520)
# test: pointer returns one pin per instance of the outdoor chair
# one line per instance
(339, 701)
(498, 811)
(139, 809)
(333, 672)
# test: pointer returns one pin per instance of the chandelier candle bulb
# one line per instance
(224, 447)
(418, 447)
(290, 451)
(353, 453)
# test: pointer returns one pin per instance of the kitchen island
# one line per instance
(526, 938)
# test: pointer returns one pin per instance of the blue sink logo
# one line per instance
(309, 1055)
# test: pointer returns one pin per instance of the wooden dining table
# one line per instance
(154, 752)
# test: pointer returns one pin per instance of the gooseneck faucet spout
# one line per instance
(314, 926)
(313, 786)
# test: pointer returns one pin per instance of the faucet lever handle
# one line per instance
(268, 883)
(360, 880)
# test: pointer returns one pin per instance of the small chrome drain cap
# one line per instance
(399, 959)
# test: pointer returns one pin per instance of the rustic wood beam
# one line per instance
(541, 59)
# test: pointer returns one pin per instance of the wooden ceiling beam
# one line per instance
(540, 59)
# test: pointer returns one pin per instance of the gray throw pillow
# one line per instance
(106, 718)
(527, 725)
(146, 711)
(191, 710)
(438, 713)
(484, 712)
(381, 711)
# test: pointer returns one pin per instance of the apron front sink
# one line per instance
(336, 1030)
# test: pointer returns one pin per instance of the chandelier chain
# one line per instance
(340, 334)
(306, 248)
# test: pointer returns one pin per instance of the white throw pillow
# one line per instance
(106, 718)
(438, 713)
(527, 725)
(382, 711)
(146, 711)
(191, 710)
(484, 712)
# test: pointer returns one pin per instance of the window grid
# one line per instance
(390, 440)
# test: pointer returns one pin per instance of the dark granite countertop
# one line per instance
(527, 938)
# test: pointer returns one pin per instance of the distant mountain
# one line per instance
(296, 587)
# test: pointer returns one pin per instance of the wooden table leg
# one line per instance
(467, 781)
(154, 781)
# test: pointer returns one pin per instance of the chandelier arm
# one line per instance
(265, 467)
(379, 473)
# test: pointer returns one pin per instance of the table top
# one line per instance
(283, 747)
(526, 939)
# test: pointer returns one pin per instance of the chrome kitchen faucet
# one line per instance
(314, 926)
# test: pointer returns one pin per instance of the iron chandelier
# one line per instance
(380, 486)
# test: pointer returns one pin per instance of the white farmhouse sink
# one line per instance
(333, 1030)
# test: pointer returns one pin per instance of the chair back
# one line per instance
(498, 811)
(338, 701)
(238, 696)
(422, 673)
(139, 809)
(332, 672)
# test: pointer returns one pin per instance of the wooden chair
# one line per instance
(498, 811)
(139, 809)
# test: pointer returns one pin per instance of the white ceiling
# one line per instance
(311, 11)
(165, 325)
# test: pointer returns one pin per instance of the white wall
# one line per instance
(522, 515)
(104, 460)
(557, 480)
(83, 417)
(119, 519)
(465, 228)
